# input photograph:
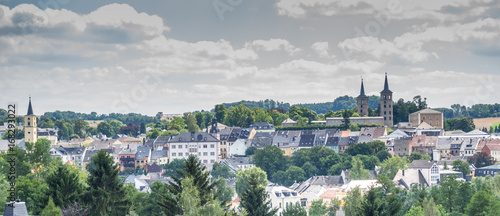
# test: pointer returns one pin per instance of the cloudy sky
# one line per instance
(177, 56)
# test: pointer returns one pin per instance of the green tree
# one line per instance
(220, 112)
(352, 201)
(462, 123)
(190, 201)
(250, 151)
(461, 166)
(105, 129)
(51, 209)
(294, 174)
(64, 186)
(170, 168)
(309, 169)
(221, 171)
(371, 204)
(79, 126)
(253, 200)
(191, 123)
(105, 194)
(481, 159)
(415, 211)
(240, 116)
(334, 207)
(270, 159)
(358, 172)
(483, 203)
(201, 180)
(32, 191)
(242, 184)
(38, 153)
(225, 191)
(295, 210)
(390, 166)
(318, 208)
(346, 121)
(142, 129)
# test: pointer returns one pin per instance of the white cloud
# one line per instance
(411, 46)
(273, 45)
(425, 9)
(321, 48)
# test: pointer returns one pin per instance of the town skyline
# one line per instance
(180, 57)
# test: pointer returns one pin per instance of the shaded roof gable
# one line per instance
(423, 164)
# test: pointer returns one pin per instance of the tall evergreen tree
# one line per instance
(64, 186)
(106, 194)
(51, 209)
(253, 199)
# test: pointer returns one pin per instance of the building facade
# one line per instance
(30, 128)
(362, 99)
(386, 105)
(200, 144)
(432, 117)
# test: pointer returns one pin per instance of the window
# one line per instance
(384, 106)
(174, 154)
(180, 153)
(205, 153)
(424, 118)
(212, 161)
(437, 123)
(437, 117)
(205, 146)
(430, 117)
(212, 153)
(173, 146)
(186, 146)
(384, 112)
(212, 146)
(434, 178)
(434, 170)
(205, 161)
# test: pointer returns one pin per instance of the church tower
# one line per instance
(30, 132)
(386, 105)
(362, 102)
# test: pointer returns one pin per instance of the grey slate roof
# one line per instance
(142, 152)
(71, 151)
(235, 134)
(421, 164)
(18, 209)
(159, 154)
(307, 140)
(333, 141)
(262, 126)
(193, 137)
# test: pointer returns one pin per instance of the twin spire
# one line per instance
(386, 87)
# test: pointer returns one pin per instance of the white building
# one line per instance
(237, 148)
(73, 154)
(282, 197)
(200, 144)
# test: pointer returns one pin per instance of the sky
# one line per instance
(181, 56)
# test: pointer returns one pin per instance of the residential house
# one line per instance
(492, 149)
(142, 156)
(127, 159)
(402, 146)
(345, 142)
(288, 123)
(428, 169)
(333, 143)
(262, 139)
(423, 144)
(200, 144)
(262, 127)
(373, 132)
(74, 155)
(377, 120)
(237, 163)
(105, 144)
(307, 141)
(488, 170)
(281, 197)
(48, 133)
(154, 168)
(161, 143)
(238, 148)
(432, 117)
(224, 135)
(159, 157)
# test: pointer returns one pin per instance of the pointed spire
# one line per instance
(362, 92)
(30, 109)
(386, 85)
